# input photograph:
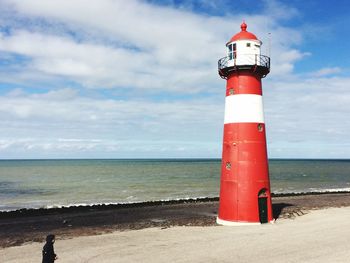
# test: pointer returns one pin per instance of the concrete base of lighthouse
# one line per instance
(239, 223)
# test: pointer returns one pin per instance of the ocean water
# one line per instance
(57, 183)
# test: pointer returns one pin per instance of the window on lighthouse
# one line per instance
(232, 51)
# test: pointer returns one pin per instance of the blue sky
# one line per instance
(138, 79)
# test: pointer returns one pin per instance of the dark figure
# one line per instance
(49, 255)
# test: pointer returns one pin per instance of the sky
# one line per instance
(138, 79)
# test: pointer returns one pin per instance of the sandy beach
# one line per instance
(320, 236)
(309, 228)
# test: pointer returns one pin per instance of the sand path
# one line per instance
(320, 236)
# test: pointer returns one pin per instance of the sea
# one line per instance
(33, 184)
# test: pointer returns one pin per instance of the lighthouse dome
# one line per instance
(244, 34)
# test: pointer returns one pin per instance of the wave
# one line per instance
(311, 191)
(100, 206)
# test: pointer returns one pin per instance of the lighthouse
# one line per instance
(245, 196)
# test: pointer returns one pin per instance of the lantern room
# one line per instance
(244, 52)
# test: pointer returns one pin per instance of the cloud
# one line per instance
(62, 119)
(162, 49)
(306, 114)
(326, 71)
(279, 10)
(61, 58)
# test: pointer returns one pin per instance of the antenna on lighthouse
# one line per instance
(269, 45)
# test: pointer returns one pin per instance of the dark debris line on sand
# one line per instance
(33, 225)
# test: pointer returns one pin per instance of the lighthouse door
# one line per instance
(262, 202)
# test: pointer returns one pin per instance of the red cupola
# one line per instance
(243, 35)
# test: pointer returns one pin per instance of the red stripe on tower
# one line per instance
(245, 196)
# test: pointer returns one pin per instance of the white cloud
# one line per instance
(305, 114)
(60, 120)
(142, 49)
(326, 71)
(279, 10)
(138, 45)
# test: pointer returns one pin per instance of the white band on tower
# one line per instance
(244, 108)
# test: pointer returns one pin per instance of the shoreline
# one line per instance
(21, 226)
(102, 206)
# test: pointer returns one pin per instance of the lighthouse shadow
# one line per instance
(278, 209)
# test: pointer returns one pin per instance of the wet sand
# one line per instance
(25, 226)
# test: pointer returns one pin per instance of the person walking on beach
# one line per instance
(49, 255)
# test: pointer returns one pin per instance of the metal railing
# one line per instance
(244, 60)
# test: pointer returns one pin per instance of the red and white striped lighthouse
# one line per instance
(245, 195)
